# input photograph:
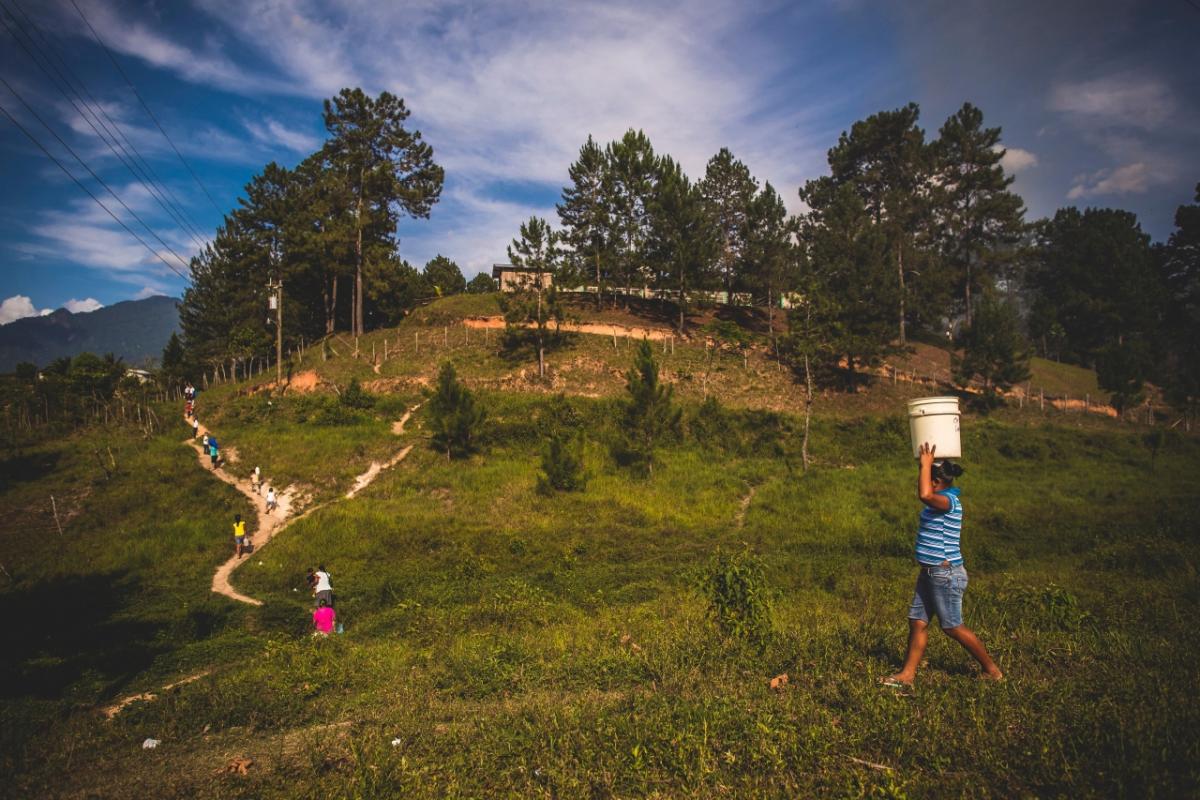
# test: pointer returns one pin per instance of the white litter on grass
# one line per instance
(150, 744)
(397, 742)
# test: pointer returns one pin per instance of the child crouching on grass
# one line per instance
(323, 618)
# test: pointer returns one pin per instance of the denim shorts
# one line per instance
(939, 594)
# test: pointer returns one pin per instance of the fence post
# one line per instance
(54, 507)
(1087, 402)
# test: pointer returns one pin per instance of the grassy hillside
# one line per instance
(500, 642)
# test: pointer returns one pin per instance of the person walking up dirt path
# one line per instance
(239, 534)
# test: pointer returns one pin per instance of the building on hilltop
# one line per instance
(513, 279)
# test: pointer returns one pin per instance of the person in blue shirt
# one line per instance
(943, 578)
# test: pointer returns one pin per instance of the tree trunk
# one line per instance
(900, 273)
(358, 258)
(681, 302)
(967, 294)
(541, 331)
(327, 306)
(771, 323)
(597, 280)
(808, 401)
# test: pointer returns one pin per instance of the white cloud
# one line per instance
(18, 307)
(82, 306)
(207, 64)
(1125, 100)
(507, 93)
(274, 134)
(85, 234)
(1129, 179)
(1016, 159)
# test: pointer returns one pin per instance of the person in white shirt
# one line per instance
(323, 588)
(256, 480)
(270, 499)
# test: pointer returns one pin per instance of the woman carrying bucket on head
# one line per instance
(942, 579)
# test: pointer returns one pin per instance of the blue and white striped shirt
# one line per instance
(939, 532)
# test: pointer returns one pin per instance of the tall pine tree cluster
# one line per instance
(325, 229)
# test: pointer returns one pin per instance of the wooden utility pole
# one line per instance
(276, 300)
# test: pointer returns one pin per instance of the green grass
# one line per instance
(487, 623)
(1065, 380)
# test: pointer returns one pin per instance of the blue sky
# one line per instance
(1098, 102)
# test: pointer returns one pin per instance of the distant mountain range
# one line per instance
(135, 330)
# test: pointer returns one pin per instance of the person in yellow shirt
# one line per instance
(239, 533)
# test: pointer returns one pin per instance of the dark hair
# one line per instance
(946, 471)
(321, 567)
(322, 603)
(237, 517)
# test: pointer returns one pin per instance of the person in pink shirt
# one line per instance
(323, 618)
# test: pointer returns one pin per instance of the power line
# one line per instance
(147, 173)
(78, 183)
(92, 172)
(127, 160)
(146, 107)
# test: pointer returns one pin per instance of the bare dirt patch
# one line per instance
(304, 382)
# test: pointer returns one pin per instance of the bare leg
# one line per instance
(970, 642)
(918, 637)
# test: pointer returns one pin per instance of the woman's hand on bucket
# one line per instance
(925, 453)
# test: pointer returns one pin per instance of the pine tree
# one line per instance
(682, 242)
(387, 168)
(444, 276)
(1093, 276)
(849, 273)
(394, 287)
(728, 189)
(172, 363)
(562, 463)
(585, 213)
(481, 284)
(980, 222)
(771, 258)
(994, 350)
(536, 301)
(885, 160)
(1179, 273)
(1121, 370)
(633, 169)
(455, 417)
(648, 415)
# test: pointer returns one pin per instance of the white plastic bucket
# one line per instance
(935, 420)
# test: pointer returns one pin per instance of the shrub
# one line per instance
(355, 397)
(562, 464)
(649, 414)
(738, 598)
(455, 416)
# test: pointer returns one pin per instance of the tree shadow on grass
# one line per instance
(70, 627)
(28, 467)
